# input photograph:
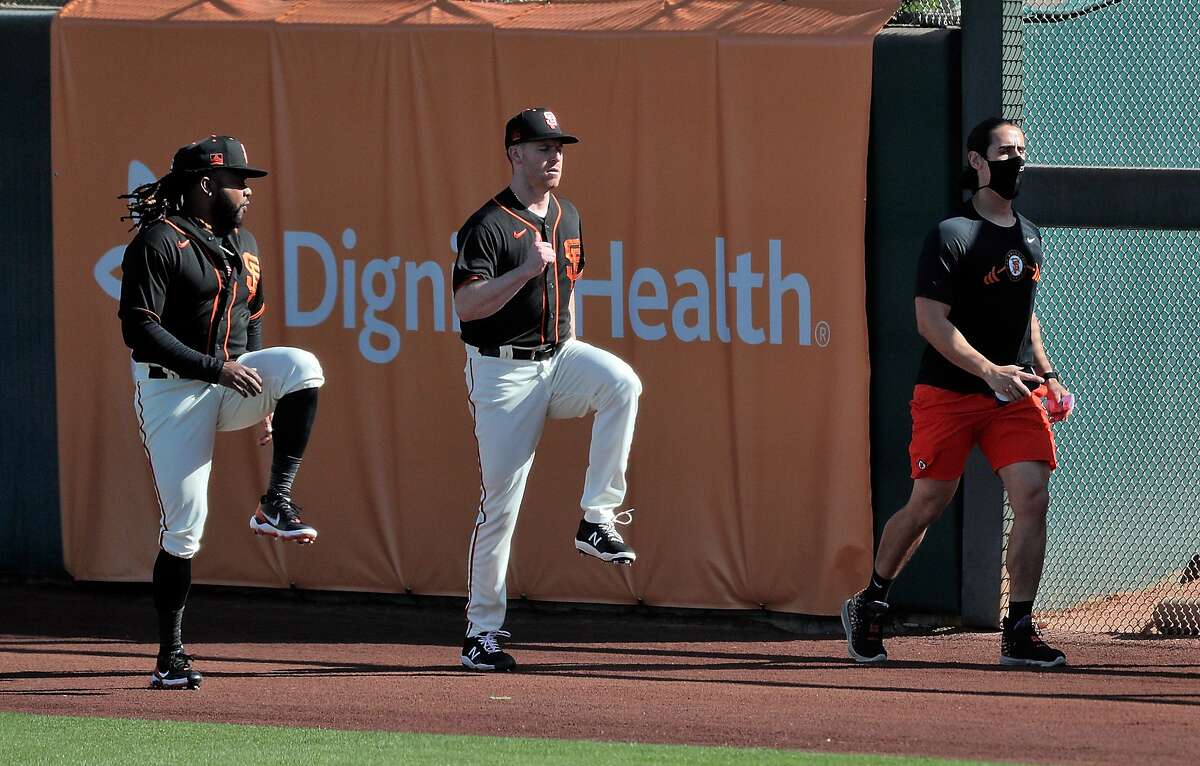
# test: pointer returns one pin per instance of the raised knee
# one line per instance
(629, 385)
(307, 365)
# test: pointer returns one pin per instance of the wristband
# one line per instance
(1049, 376)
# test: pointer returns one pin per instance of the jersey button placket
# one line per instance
(552, 283)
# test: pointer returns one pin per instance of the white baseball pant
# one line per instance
(179, 418)
(510, 400)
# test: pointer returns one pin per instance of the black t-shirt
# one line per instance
(988, 275)
(493, 242)
(191, 300)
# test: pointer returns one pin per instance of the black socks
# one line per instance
(172, 581)
(291, 426)
(283, 473)
(877, 589)
(1019, 609)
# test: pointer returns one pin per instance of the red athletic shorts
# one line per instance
(946, 424)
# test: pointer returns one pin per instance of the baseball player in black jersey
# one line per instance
(192, 301)
(518, 258)
(983, 379)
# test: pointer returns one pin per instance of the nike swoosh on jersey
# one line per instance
(1030, 240)
(182, 244)
(519, 234)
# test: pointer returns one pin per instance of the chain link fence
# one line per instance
(1122, 322)
(1114, 84)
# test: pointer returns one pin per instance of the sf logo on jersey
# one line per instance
(1014, 266)
(253, 271)
(573, 248)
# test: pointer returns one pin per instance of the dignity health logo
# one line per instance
(716, 305)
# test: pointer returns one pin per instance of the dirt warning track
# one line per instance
(607, 675)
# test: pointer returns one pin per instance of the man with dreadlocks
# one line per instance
(191, 311)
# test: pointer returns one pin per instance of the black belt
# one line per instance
(537, 354)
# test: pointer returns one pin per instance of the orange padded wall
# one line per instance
(721, 180)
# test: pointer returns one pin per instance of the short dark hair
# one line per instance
(978, 141)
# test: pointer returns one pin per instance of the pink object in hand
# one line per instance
(1059, 410)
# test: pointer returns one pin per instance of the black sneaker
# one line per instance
(604, 541)
(483, 652)
(277, 516)
(862, 621)
(1021, 644)
(175, 672)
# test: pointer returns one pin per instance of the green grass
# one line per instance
(40, 739)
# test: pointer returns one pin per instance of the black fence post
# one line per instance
(983, 95)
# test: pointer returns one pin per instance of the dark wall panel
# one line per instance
(911, 184)
(30, 532)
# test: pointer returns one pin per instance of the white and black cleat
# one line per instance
(175, 672)
(278, 517)
(604, 542)
(483, 653)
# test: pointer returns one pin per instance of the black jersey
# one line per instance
(191, 300)
(988, 275)
(494, 241)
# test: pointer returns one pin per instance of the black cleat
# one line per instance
(175, 672)
(277, 516)
(862, 621)
(604, 541)
(1021, 644)
(483, 652)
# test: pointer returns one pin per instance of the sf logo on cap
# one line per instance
(551, 120)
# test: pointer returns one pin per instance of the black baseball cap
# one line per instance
(535, 124)
(214, 152)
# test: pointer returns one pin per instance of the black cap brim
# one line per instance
(244, 172)
(564, 138)
(249, 172)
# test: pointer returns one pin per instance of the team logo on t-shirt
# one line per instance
(922, 465)
(1015, 263)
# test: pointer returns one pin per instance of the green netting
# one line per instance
(1012, 54)
(1122, 321)
(1114, 84)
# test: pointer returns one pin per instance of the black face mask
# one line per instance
(1006, 176)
